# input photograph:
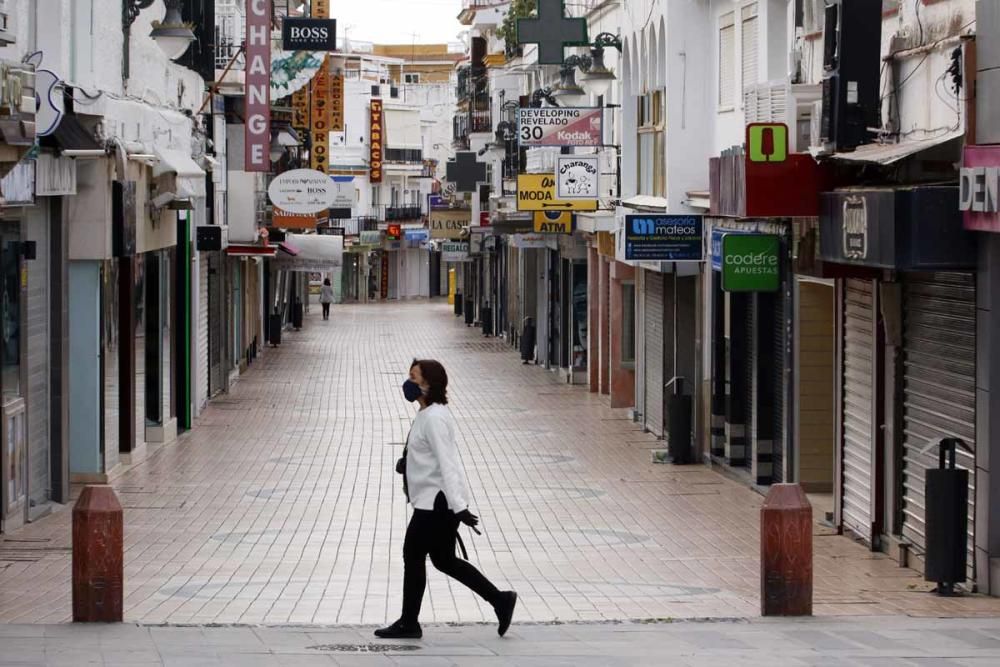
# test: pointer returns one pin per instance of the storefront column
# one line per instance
(593, 320)
(622, 372)
(720, 394)
(736, 417)
(987, 518)
(126, 355)
(604, 327)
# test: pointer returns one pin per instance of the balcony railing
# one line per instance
(400, 213)
(230, 32)
(367, 223)
(404, 155)
(471, 81)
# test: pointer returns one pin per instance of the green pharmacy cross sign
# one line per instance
(751, 263)
(552, 31)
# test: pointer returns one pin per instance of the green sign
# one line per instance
(767, 142)
(751, 263)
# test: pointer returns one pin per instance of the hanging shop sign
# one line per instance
(302, 191)
(258, 85)
(553, 222)
(393, 231)
(371, 237)
(537, 192)
(376, 140)
(979, 188)
(455, 251)
(343, 187)
(751, 262)
(285, 220)
(767, 142)
(320, 120)
(552, 31)
(448, 223)
(664, 238)
(300, 108)
(308, 34)
(465, 172)
(906, 229)
(578, 177)
(561, 126)
(528, 241)
(337, 100)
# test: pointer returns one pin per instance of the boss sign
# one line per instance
(258, 85)
(309, 34)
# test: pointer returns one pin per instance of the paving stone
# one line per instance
(282, 505)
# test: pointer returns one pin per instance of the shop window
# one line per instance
(628, 324)
(652, 144)
(413, 77)
(10, 311)
(727, 62)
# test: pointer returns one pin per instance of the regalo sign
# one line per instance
(561, 126)
(258, 82)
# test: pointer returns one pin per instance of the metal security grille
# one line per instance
(38, 359)
(751, 375)
(216, 324)
(653, 332)
(778, 374)
(939, 388)
(858, 402)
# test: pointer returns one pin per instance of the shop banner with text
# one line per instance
(258, 85)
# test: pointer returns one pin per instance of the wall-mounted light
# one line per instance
(172, 34)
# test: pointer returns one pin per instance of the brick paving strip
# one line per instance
(842, 641)
(282, 505)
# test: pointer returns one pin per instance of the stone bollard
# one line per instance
(98, 557)
(786, 554)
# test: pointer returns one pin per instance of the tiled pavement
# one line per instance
(282, 506)
(833, 642)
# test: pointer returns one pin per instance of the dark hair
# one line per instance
(436, 378)
(326, 281)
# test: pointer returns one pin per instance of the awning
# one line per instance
(252, 250)
(646, 202)
(886, 154)
(316, 253)
(189, 177)
(71, 135)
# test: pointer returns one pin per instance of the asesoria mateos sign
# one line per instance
(258, 82)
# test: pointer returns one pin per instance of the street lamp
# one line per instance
(568, 90)
(172, 35)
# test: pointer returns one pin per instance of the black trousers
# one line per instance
(326, 311)
(434, 533)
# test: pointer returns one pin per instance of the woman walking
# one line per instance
(326, 297)
(434, 483)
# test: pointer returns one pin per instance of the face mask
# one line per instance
(412, 390)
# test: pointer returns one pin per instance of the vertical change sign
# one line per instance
(258, 85)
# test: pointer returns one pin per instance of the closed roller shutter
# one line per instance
(858, 403)
(778, 372)
(38, 356)
(750, 368)
(653, 331)
(202, 359)
(939, 387)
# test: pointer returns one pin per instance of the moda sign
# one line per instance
(561, 126)
(258, 85)
(751, 263)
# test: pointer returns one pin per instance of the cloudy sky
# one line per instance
(398, 21)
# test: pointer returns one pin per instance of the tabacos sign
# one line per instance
(751, 262)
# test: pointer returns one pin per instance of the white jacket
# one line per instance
(432, 461)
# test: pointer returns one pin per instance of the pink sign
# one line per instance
(561, 126)
(258, 85)
(979, 194)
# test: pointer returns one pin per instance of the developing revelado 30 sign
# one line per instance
(561, 126)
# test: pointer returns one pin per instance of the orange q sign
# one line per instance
(376, 141)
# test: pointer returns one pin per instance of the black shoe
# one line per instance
(505, 611)
(400, 630)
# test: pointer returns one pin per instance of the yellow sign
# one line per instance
(553, 222)
(337, 100)
(300, 108)
(537, 192)
(605, 244)
(321, 9)
(321, 119)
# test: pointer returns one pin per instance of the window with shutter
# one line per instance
(727, 61)
(749, 41)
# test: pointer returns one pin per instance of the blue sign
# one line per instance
(664, 238)
(717, 235)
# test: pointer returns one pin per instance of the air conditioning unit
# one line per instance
(783, 102)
